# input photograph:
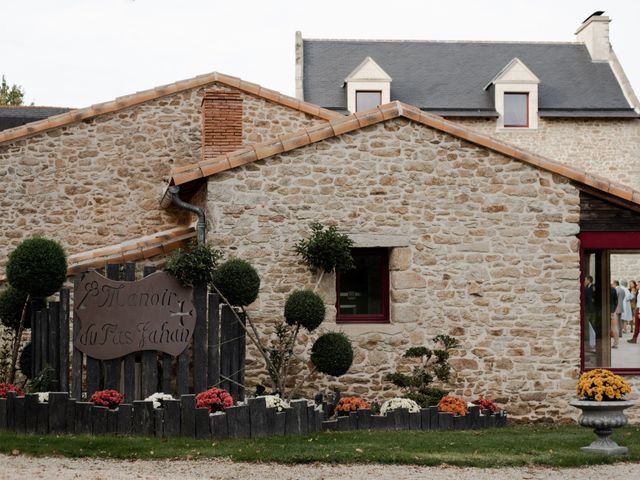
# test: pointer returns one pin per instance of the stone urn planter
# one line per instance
(603, 417)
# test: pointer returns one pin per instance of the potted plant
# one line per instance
(347, 405)
(601, 399)
(107, 398)
(215, 399)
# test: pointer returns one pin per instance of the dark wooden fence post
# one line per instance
(76, 356)
(130, 359)
(64, 340)
(34, 343)
(149, 376)
(44, 338)
(94, 370)
(227, 320)
(200, 339)
(112, 367)
(213, 334)
(54, 344)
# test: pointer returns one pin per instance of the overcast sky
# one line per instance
(78, 52)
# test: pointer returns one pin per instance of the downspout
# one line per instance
(201, 226)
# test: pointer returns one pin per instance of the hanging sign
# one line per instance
(116, 318)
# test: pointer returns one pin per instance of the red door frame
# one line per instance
(603, 241)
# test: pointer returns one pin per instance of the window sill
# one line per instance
(617, 371)
(356, 329)
(516, 129)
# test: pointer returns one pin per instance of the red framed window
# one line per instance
(362, 294)
(366, 99)
(516, 109)
(608, 261)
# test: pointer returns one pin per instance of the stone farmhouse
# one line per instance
(464, 223)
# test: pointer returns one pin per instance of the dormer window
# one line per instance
(366, 99)
(368, 86)
(515, 93)
(516, 109)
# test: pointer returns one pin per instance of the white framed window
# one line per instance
(368, 86)
(366, 99)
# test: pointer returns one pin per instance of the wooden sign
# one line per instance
(117, 318)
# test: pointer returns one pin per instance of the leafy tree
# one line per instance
(10, 94)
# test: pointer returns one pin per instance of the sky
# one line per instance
(76, 53)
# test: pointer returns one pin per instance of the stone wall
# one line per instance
(99, 182)
(610, 148)
(491, 256)
(625, 266)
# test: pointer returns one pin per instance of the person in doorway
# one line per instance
(617, 299)
(636, 315)
(626, 315)
(589, 300)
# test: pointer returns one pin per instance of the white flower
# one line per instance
(43, 397)
(158, 398)
(274, 401)
(396, 403)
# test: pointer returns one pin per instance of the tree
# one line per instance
(10, 95)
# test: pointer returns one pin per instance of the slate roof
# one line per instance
(448, 78)
(11, 117)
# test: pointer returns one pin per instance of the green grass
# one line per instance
(557, 446)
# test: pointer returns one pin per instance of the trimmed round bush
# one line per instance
(193, 266)
(304, 308)
(24, 362)
(11, 305)
(332, 354)
(326, 249)
(37, 266)
(238, 281)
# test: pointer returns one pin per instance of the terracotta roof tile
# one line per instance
(127, 101)
(319, 132)
(272, 147)
(191, 174)
(130, 251)
(398, 109)
(210, 167)
(237, 158)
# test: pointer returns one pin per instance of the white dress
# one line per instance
(626, 305)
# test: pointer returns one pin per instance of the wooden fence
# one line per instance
(215, 356)
(62, 414)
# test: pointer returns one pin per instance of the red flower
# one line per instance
(9, 387)
(215, 399)
(486, 404)
(107, 398)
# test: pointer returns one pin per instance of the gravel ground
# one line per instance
(15, 467)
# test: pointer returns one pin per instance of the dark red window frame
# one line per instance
(379, 92)
(384, 291)
(526, 94)
(603, 241)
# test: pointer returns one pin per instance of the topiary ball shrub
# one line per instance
(11, 305)
(195, 265)
(304, 308)
(326, 249)
(238, 281)
(332, 354)
(37, 266)
(24, 362)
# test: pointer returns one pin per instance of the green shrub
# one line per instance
(332, 354)
(25, 360)
(326, 249)
(37, 266)
(238, 281)
(195, 265)
(304, 308)
(11, 305)
(433, 364)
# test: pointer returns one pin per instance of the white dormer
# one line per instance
(367, 86)
(516, 96)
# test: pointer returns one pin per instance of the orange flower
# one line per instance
(451, 404)
(350, 404)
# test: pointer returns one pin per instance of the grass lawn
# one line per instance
(557, 446)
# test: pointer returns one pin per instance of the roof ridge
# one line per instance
(126, 101)
(34, 106)
(395, 109)
(390, 40)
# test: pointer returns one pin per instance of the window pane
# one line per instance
(515, 110)
(610, 305)
(360, 288)
(367, 100)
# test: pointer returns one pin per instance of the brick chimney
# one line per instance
(594, 33)
(221, 123)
